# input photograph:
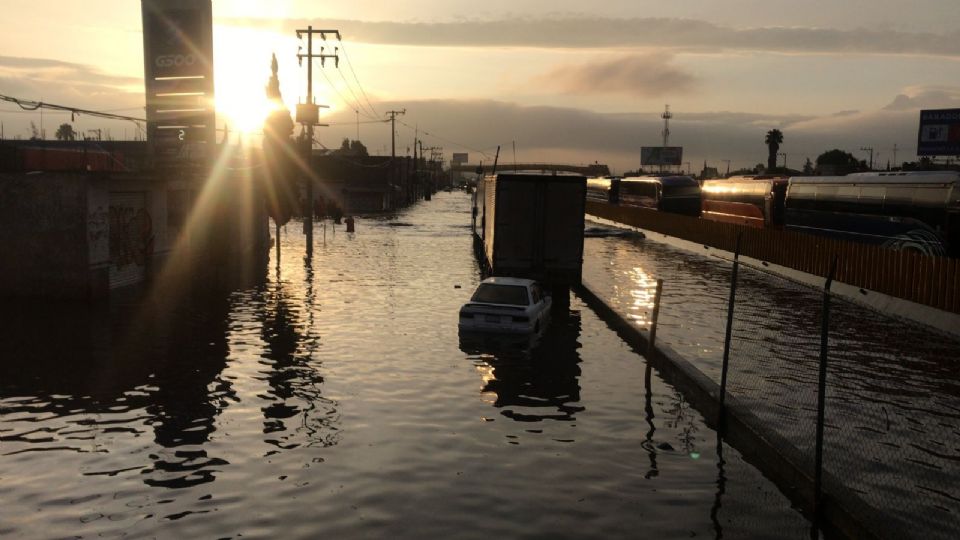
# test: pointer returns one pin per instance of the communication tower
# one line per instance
(667, 115)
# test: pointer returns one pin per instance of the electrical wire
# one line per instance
(344, 100)
(352, 93)
(362, 91)
(444, 139)
(355, 123)
(29, 105)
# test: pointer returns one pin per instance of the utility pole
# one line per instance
(784, 154)
(393, 131)
(358, 122)
(393, 139)
(687, 163)
(868, 149)
(308, 114)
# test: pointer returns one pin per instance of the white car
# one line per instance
(504, 304)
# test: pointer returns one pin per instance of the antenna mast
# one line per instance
(667, 115)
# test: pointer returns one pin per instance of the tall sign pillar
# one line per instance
(178, 76)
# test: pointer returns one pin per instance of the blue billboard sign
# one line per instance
(939, 133)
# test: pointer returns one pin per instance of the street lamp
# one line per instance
(784, 155)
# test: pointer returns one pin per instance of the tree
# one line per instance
(65, 133)
(358, 149)
(773, 141)
(351, 148)
(837, 161)
(808, 167)
(34, 132)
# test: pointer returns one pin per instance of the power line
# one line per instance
(29, 106)
(344, 100)
(455, 143)
(352, 93)
(364, 92)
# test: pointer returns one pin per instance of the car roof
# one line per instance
(509, 281)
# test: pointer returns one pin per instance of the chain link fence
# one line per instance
(890, 428)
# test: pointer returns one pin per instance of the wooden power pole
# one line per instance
(308, 114)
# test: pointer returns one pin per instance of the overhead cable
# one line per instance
(364, 92)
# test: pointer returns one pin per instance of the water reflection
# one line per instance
(531, 378)
(189, 353)
(89, 374)
(297, 405)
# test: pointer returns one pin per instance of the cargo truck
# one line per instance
(531, 226)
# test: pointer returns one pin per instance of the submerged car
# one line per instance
(504, 304)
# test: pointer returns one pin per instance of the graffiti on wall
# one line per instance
(131, 236)
(98, 225)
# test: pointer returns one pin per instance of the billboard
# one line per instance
(459, 157)
(178, 79)
(661, 155)
(939, 133)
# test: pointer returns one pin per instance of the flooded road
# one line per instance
(892, 424)
(333, 397)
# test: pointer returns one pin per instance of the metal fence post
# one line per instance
(656, 315)
(822, 394)
(729, 332)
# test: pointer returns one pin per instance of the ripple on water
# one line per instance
(334, 396)
(892, 383)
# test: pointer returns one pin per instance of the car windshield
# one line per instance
(514, 295)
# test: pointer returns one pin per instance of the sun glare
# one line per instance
(242, 60)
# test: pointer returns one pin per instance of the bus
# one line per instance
(603, 189)
(915, 211)
(673, 194)
(754, 201)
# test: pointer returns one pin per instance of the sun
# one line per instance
(241, 71)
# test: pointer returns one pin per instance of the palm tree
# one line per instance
(773, 141)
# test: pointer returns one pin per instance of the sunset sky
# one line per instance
(565, 84)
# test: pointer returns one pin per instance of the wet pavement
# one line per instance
(334, 397)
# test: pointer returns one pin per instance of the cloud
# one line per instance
(926, 97)
(65, 83)
(598, 32)
(649, 75)
(45, 69)
(569, 135)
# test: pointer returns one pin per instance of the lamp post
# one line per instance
(784, 155)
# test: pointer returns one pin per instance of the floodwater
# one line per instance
(892, 421)
(333, 397)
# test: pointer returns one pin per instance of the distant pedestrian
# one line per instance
(349, 222)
